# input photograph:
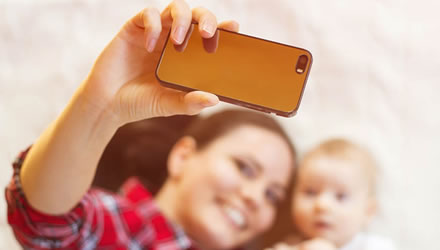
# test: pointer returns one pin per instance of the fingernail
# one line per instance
(151, 44)
(210, 101)
(208, 27)
(179, 34)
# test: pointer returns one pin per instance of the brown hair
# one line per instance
(206, 130)
(141, 148)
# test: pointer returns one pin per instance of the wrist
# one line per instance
(96, 106)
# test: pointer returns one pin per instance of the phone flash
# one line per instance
(301, 64)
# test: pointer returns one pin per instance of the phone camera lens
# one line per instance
(301, 64)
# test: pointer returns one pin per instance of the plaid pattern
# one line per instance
(101, 220)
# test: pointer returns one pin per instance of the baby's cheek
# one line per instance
(301, 206)
(302, 212)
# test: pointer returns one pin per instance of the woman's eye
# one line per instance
(245, 169)
(341, 196)
(273, 197)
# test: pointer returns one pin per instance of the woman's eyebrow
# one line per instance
(255, 162)
(261, 169)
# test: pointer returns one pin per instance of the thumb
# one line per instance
(175, 102)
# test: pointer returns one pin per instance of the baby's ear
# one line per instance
(179, 154)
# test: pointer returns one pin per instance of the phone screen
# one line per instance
(239, 69)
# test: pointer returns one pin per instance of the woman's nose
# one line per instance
(253, 195)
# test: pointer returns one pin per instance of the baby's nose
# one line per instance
(323, 202)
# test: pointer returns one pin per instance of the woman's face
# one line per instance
(228, 192)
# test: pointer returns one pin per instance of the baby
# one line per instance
(334, 199)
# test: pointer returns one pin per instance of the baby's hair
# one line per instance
(344, 149)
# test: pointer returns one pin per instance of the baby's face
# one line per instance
(331, 199)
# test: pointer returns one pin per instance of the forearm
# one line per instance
(61, 165)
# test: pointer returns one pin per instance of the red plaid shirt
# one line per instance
(101, 220)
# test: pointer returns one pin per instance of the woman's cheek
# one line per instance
(266, 219)
(226, 176)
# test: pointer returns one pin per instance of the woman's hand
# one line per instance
(120, 88)
(123, 83)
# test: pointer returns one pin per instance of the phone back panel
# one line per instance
(244, 70)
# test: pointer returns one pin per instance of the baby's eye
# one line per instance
(341, 196)
(310, 192)
(244, 168)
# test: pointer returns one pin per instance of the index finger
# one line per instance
(177, 15)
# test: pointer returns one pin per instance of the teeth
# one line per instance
(236, 216)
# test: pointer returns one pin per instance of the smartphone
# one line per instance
(239, 69)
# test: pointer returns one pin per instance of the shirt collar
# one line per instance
(170, 236)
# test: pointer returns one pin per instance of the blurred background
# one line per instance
(374, 79)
